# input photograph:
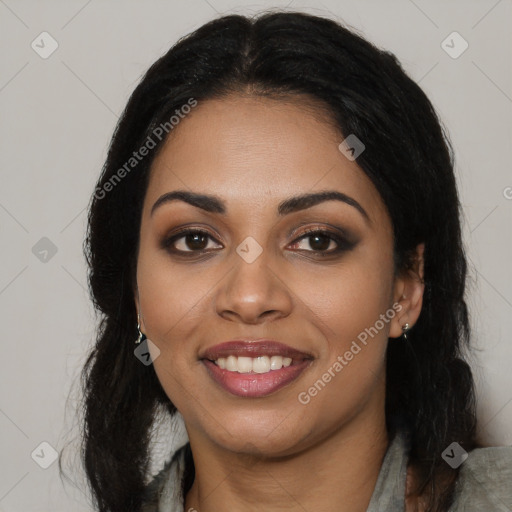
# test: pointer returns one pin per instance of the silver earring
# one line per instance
(142, 336)
(405, 329)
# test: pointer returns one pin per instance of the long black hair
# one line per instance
(430, 389)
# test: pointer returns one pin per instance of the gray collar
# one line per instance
(389, 492)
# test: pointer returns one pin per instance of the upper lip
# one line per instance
(253, 348)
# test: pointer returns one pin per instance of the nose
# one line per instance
(253, 293)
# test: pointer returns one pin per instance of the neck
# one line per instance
(336, 475)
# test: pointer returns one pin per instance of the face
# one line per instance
(252, 265)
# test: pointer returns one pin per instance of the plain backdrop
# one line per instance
(57, 117)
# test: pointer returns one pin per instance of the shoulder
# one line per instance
(485, 481)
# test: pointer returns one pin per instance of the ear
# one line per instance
(408, 293)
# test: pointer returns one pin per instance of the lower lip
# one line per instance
(254, 385)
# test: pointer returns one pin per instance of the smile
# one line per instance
(261, 364)
(255, 368)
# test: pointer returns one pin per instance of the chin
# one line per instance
(267, 434)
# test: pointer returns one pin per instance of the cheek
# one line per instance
(169, 302)
(351, 307)
(176, 304)
(349, 298)
(170, 296)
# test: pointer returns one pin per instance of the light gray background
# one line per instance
(57, 117)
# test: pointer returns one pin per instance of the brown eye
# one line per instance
(319, 242)
(323, 242)
(189, 240)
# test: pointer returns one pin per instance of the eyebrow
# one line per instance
(214, 204)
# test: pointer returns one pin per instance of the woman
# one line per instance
(277, 229)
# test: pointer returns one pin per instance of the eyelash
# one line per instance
(342, 243)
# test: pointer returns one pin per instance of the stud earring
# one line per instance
(141, 336)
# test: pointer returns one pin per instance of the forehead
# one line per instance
(254, 152)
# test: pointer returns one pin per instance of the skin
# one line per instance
(270, 453)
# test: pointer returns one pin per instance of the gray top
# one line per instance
(484, 483)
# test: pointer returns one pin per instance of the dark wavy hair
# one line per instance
(408, 157)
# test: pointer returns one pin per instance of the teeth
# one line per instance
(232, 364)
(261, 364)
(244, 364)
(276, 362)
